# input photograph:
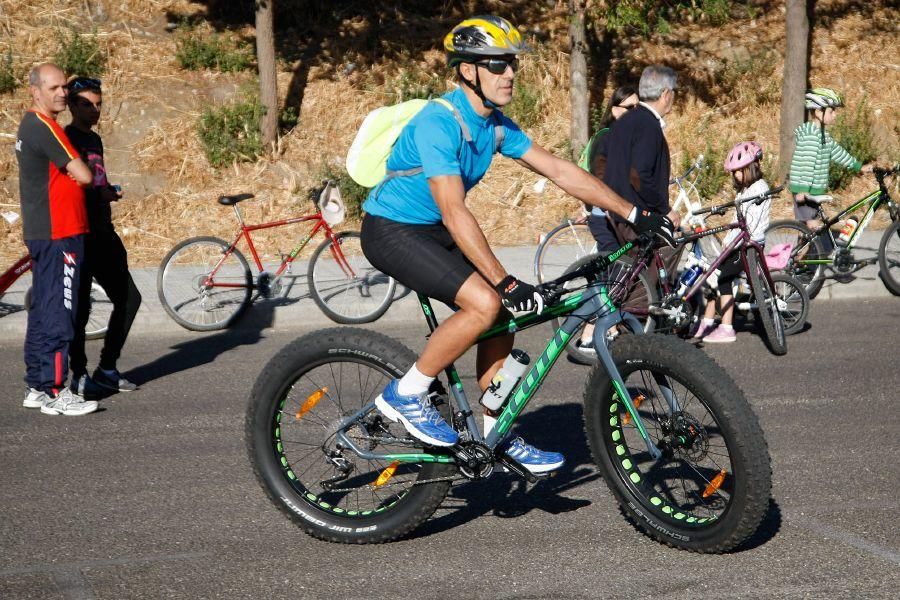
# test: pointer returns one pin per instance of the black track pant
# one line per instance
(107, 262)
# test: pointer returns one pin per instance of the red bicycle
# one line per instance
(205, 283)
(101, 307)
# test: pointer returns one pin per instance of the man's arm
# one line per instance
(80, 172)
(449, 194)
(575, 181)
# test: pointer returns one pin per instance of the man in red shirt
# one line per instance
(54, 220)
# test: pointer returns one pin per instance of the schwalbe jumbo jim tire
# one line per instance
(713, 386)
(328, 347)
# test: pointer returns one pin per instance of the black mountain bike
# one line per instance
(813, 253)
(674, 438)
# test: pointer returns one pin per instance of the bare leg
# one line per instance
(727, 304)
(479, 305)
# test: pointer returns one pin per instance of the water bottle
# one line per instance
(505, 380)
(847, 230)
(688, 278)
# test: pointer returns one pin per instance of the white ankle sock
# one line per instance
(726, 327)
(414, 382)
(708, 321)
(489, 423)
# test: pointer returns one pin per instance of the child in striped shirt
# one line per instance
(815, 151)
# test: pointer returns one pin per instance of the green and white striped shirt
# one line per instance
(809, 166)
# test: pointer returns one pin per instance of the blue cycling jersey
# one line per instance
(433, 140)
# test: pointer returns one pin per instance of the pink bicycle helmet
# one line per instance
(742, 155)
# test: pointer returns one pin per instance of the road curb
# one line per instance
(298, 307)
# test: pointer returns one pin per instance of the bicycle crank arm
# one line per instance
(516, 467)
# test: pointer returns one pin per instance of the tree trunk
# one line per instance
(268, 82)
(578, 90)
(796, 74)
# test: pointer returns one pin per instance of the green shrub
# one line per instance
(8, 79)
(80, 54)
(711, 177)
(414, 82)
(854, 132)
(652, 16)
(525, 108)
(231, 133)
(196, 51)
(353, 194)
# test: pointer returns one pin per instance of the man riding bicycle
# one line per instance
(418, 229)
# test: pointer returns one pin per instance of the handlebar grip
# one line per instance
(702, 211)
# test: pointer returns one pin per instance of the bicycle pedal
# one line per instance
(514, 466)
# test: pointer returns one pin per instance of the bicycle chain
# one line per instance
(423, 482)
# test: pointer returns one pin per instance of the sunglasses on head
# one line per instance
(498, 66)
(84, 83)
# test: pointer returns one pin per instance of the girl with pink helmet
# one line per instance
(743, 162)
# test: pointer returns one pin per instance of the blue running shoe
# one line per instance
(418, 415)
(536, 461)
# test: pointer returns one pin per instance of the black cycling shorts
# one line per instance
(423, 258)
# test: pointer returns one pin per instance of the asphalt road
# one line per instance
(153, 497)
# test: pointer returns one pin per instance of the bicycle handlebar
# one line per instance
(721, 208)
(696, 165)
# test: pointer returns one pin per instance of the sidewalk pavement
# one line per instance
(298, 308)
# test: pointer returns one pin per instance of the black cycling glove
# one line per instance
(519, 296)
(655, 224)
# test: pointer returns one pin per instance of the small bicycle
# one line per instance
(778, 300)
(205, 283)
(812, 252)
(674, 438)
(101, 306)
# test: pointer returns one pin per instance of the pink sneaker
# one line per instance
(723, 334)
(703, 330)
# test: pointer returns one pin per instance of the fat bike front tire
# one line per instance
(710, 489)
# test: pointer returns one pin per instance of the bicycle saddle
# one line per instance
(232, 200)
(821, 199)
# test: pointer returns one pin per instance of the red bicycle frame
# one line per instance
(22, 266)
(247, 229)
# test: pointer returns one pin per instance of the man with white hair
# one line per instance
(637, 166)
(51, 176)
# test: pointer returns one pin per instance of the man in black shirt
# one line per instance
(107, 260)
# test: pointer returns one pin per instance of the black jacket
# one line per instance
(637, 162)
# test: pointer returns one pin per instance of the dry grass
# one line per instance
(152, 107)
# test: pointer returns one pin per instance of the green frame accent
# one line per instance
(874, 199)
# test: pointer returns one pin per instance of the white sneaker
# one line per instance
(34, 399)
(68, 404)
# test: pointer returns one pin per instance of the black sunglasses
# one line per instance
(498, 66)
(84, 83)
(626, 107)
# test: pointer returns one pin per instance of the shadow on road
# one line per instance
(559, 428)
(204, 349)
(555, 428)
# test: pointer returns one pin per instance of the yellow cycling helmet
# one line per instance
(482, 36)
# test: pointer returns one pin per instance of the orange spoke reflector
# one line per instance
(637, 402)
(311, 401)
(715, 484)
(387, 473)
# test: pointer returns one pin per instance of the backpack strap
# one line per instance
(499, 134)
